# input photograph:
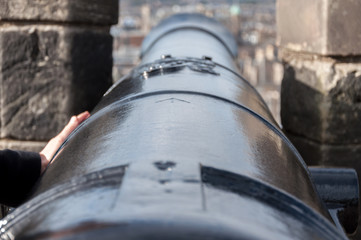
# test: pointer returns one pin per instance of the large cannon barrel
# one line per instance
(180, 148)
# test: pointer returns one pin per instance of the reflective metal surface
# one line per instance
(339, 190)
(181, 148)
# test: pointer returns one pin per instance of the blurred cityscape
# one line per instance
(252, 22)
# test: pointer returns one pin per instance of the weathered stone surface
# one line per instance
(33, 146)
(100, 12)
(47, 74)
(321, 90)
(326, 27)
(321, 100)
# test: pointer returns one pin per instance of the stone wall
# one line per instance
(55, 61)
(320, 44)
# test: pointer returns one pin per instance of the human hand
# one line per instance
(53, 145)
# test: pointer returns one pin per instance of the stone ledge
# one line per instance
(33, 146)
(104, 12)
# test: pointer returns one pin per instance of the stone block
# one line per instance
(47, 74)
(326, 27)
(99, 12)
(321, 99)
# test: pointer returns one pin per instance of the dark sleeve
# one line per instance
(18, 173)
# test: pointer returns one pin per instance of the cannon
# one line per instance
(183, 147)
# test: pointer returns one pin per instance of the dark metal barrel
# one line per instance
(181, 148)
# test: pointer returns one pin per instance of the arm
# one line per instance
(20, 170)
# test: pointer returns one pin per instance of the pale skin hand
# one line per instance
(53, 145)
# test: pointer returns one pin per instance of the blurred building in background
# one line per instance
(252, 22)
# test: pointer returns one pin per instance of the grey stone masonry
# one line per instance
(320, 46)
(326, 27)
(321, 108)
(98, 12)
(321, 98)
(55, 61)
(49, 72)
